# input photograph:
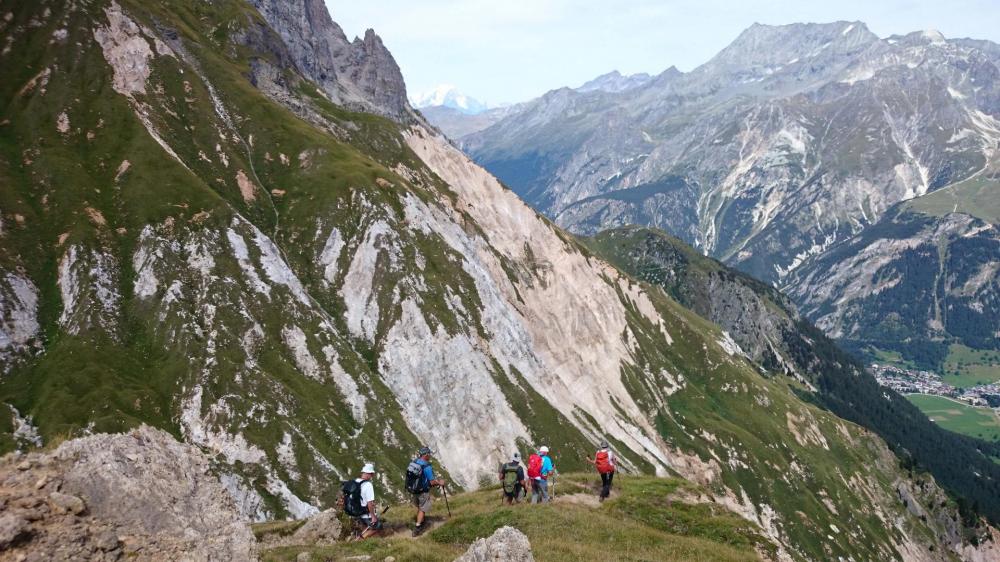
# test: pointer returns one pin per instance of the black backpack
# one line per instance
(352, 498)
(415, 481)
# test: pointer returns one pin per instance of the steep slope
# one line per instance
(791, 140)
(910, 278)
(763, 322)
(198, 238)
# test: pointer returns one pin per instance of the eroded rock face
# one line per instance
(360, 74)
(507, 544)
(140, 495)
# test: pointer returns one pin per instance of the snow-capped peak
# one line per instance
(448, 95)
(933, 35)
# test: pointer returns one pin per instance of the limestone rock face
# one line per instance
(140, 495)
(507, 544)
(361, 74)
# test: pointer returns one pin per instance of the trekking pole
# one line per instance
(370, 525)
(444, 491)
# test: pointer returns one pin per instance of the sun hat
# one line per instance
(369, 468)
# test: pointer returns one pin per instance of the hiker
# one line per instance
(512, 479)
(604, 462)
(539, 470)
(359, 502)
(419, 481)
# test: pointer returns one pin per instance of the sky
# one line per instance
(506, 51)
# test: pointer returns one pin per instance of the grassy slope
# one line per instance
(978, 196)
(958, 416)
(644, 520)
(840, 388)
(965, 367)
(725, 412)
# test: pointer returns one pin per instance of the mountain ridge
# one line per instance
(211, 245)
(791, 141)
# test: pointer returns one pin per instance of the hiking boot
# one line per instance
(418, 530)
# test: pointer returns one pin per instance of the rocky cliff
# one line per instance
(359, 74)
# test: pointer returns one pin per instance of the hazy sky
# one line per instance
(514, 50)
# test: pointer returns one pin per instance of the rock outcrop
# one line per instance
(140, 495)
(324, 528)
(361, 74)
(507, 544)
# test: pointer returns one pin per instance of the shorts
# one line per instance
(423, 501)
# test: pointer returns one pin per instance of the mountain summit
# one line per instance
(446, 95)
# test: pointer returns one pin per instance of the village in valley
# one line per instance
(909, 381)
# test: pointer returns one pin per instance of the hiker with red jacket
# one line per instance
(539, 469)
(604, 461)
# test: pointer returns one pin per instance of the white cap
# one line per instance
(543, 449)
(516, 457)
(369, 468)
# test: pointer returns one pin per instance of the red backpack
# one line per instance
(534, 466)
(603, 462)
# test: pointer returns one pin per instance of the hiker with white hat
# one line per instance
(359, 502)
(539, 470)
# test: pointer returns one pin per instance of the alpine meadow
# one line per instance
(256, 304)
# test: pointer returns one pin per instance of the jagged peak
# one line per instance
(360, 74)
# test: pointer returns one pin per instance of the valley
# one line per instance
(236, 264)
(856, 173)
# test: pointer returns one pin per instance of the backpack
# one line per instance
(534, 466)
(415, 481)
(603, 462)
(352, 498)
(510, 477)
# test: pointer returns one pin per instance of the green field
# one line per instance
(966, 367)
(891, 358)
(979, 197)
(959, 417)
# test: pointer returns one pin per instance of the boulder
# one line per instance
(140, 495)
(66, 503)
(321, 529)
(12, 528)
(507, 544)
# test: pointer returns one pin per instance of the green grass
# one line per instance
(979, 197)
(891, 358)
(966, 367)
(646, 521)
(959, 417)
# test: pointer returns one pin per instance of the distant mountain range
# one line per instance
(790, 155)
